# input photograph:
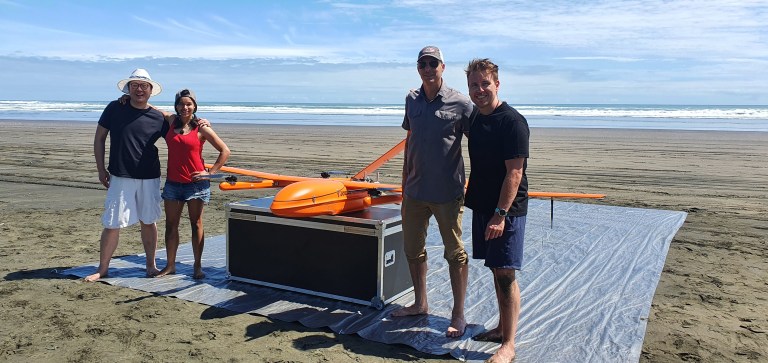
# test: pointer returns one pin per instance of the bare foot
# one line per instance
(199, 274)
(168, 270)
(152, 272)
(457, 327)
(94, 277)
(493, 335)
(410, 310)
(505, 354)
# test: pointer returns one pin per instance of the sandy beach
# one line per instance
(710, 304)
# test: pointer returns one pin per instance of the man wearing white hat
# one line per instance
(132, 178)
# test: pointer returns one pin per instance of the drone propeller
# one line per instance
(330, 173)
(373, 192)
(232, 179)
(227, 178)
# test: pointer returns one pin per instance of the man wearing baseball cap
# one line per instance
(132, 178)
(436, 117)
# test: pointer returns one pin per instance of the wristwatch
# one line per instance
(501, 212)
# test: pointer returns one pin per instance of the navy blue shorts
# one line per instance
(502, 252)
(187, 191)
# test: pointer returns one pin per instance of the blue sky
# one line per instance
(639, 51)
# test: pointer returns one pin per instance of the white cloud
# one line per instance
(689, 29)
(614, 59)
(10, 3)
(182, 28)
(618, 30)
(551, 50)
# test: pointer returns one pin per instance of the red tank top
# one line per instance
(185, 155)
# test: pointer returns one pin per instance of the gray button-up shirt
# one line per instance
(434, 166)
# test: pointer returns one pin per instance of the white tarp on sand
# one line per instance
(586, 284)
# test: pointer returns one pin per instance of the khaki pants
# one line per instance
(416, 216)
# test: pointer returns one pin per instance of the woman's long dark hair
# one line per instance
(177, 122)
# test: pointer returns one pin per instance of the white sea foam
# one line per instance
(739, 118)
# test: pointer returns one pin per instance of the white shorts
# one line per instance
(131, 200)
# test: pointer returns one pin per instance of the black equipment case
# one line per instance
(356, 257)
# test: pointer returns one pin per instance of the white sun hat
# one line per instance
(140, 74)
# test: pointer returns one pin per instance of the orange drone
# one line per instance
(313, 196)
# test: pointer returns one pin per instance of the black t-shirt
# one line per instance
(132, 136)
(494, 138)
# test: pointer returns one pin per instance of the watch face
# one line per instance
(501, 212)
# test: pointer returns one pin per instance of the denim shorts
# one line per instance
(187, 191)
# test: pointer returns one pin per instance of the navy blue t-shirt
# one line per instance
(493, 139)
(132, 136)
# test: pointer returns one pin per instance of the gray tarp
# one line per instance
(586, 284)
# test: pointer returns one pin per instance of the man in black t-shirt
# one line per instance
(498, 196)
(133, 176)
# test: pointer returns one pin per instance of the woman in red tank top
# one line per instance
(186, 179)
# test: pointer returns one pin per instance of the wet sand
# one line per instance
(709, 306)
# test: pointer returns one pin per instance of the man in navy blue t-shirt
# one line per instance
(132, 178)
(498, 196)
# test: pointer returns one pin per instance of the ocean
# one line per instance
(659, 117)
